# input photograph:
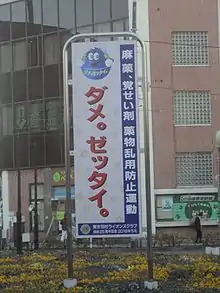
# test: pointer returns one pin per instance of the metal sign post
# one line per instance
(217, 142)
(70, 282)
(218, 160)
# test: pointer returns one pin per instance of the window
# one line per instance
(35, 116)
(51, 81)
(64, 36)
(21, 151)
(20, 117)
(53, 113)
(164, 207)
(194, 169)
(6, 88)
(18, 19)
(6, 120)
(118, 26)
(34, 52)
(5, 22)
(102, 11)
(34, 11)
(29, 115)
(18, 12)
(34, 17)
(66, 14)
(190, 48)
(192, 108)
(40, 197)
(84, 14)
(6, 58)
(53, 148)
(35, 83)
(85, 29)
(51, 49)
(126, 25)
(20, 86)
(50, 14)
(119, 9)
(20, 55)
(103, 28)
(6, 146)
(37, 149)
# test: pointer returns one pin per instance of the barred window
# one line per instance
(192, 108)
(190, 48)
(194, 169)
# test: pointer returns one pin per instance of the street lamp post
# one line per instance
(217, 142)
(36, 231)
(18, 214)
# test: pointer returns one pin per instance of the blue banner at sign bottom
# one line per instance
(110, 229)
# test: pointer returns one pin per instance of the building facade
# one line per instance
(32, 35)
(183, 42)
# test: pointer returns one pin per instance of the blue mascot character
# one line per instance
(97, 64)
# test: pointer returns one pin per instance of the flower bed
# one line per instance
(109, 273)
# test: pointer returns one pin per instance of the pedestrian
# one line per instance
(59, 228)
(64, 229)
(198, 228)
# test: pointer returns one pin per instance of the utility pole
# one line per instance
(36, 231)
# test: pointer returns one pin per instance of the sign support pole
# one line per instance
(218, 160)
(70, 282)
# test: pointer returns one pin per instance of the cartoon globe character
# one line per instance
(97, 64)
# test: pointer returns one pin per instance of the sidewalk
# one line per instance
(192, 249)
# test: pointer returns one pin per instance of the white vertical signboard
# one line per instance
(106, 139)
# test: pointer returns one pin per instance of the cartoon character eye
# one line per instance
(91, 56)
(96, 56)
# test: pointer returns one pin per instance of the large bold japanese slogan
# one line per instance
(106, 139)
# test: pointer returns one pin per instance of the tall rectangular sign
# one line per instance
(106, 143)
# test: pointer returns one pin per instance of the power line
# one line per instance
(183, 45)
(179, 90)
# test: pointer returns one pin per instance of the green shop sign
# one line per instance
(59, 177)
(185, 206)
(60, 215)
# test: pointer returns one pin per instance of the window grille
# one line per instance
(194, 169)
(190, 48)
(192, 108)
